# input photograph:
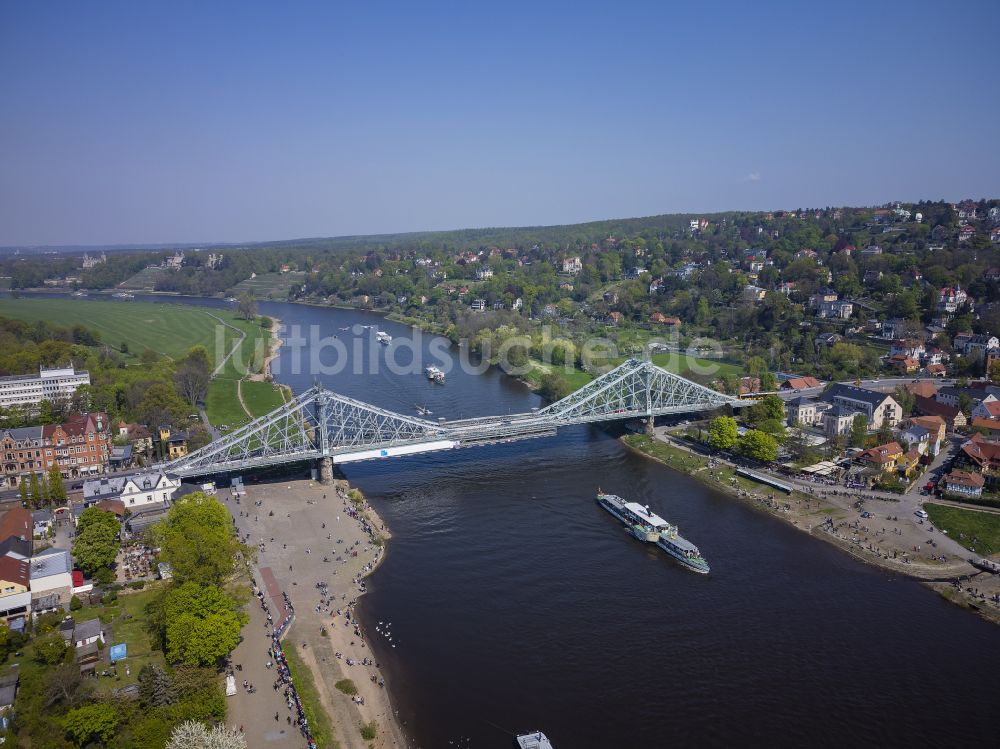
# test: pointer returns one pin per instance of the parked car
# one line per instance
(921, 514)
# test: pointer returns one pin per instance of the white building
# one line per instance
(484, 273)
(133, 491)
(51, 580)
(50, 385)
(572, 265)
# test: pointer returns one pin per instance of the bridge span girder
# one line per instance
(321, 424)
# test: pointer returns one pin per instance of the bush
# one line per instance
(347, 687)
(137, 584)
(110, 596)
(369, 731)
(104, 576)
(75, 604)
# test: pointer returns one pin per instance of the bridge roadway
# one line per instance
(324, 426)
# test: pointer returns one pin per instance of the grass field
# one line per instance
(261, 397)
(978, 531)
(168, 329)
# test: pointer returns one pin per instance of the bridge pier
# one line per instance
(326, 471)
(648, 424)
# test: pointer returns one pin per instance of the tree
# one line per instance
(770, 407)
(22, 488)
(34, 490)
(905, 399)
(193, 375)
(50, 649)
(247, 306)
(859, 430)
(160, 404)
(96, 544)
(155, 687)
(57, 490)
(202, 624)
(759, 446)
(994, 371)
(722, 433)
(97, 720)
(193, 735)
(196, 539)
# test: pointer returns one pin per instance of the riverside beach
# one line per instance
(315, 544)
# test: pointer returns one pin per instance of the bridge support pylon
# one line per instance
(648, 423)
(326, 471)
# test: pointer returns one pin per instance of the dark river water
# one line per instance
(517, 603)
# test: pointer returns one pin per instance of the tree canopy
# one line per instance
(202, 624)
(722, 433)
(197, 540)
(96, 542)
(759, 446)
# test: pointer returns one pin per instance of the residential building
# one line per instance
(484, 273)
(51, 581)
(952, 416)
(963, 484)
(50, 384)
(883, 458)
(903, 364)
(15, 578)
(798, 383)
(917, 437)
(986, 426)
(660, 319)
(174, 443)
(922, 388)
(878, 408)
(478, 305)
(911, 347)
(935, 426)
(81, 447)
(952, 395)
(753, 293)
(826, 340)
(801, 411)
(978, 345)
(41, 521)
(983, 456)
(821, 297)
(987, 410)
(136, 490)
(572, 265)
(17, 523)
(839, 309)
(838, 421)
(950, 298)
(86, 633)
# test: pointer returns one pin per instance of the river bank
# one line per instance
(887, 540)
(318, 544)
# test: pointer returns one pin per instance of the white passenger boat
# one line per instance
(383, 337)
(639, 520)
(434, 374)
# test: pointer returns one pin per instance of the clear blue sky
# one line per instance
(213, 121)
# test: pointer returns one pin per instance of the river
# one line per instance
(516, 603)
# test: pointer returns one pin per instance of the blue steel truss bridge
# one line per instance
(320, 425)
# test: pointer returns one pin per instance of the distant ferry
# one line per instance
(123, 295)
(533, 740)
(79, 293)
(383, 337)
(230, 299)
(434, 374)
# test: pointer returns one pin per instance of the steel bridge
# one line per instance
(320, 425)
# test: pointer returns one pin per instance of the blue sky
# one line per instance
(190, 122)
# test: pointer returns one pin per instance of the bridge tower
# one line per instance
(322, 439)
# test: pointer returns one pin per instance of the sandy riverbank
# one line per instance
(890, 540)
(308, 534)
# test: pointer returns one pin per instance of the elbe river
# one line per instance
(516, 603)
